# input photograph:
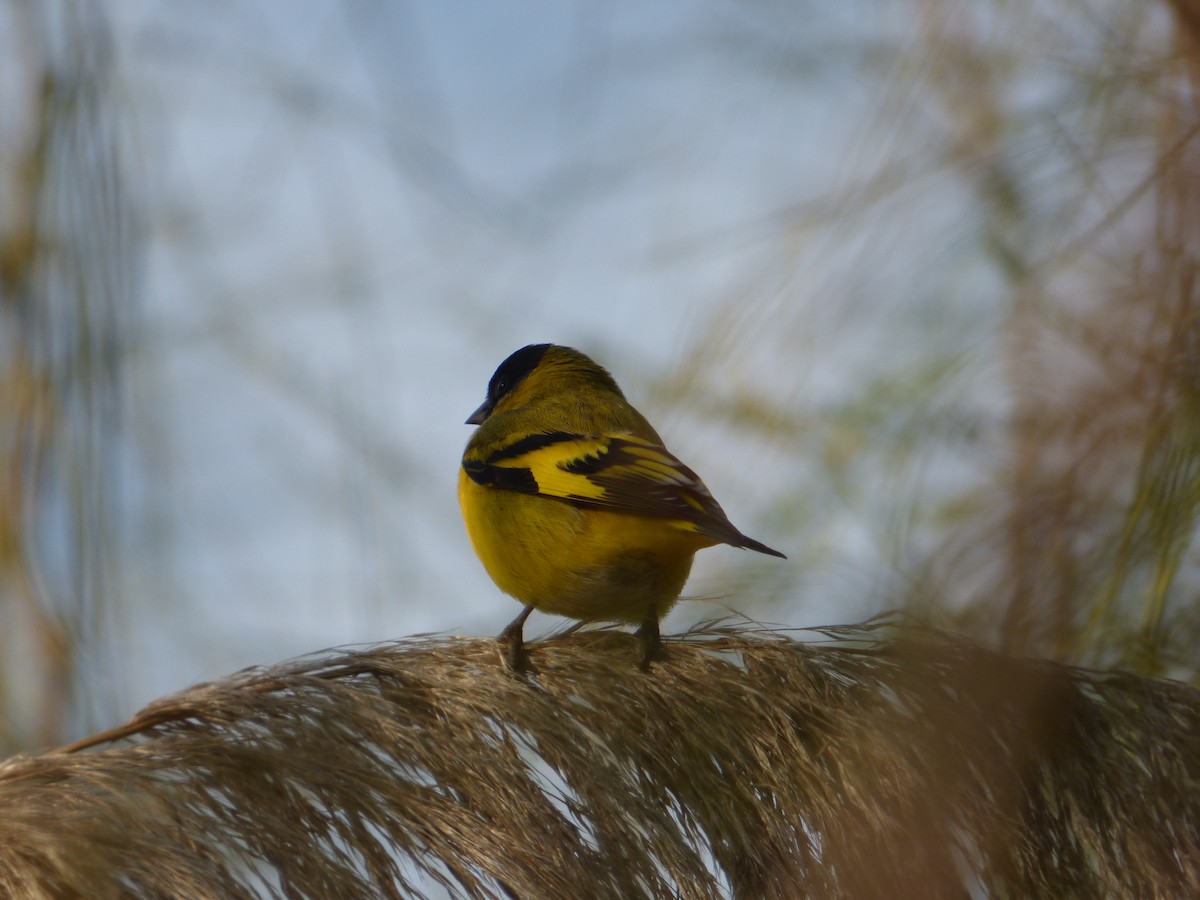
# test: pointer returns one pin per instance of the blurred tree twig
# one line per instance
(67, 271)
(1021, 444)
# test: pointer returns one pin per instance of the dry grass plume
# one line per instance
(877, 762)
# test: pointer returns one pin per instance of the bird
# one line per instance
(575, 506)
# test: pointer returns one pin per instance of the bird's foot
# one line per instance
(650, 642)
(511, 645)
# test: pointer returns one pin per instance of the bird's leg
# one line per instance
(648, 638)
(512, 643)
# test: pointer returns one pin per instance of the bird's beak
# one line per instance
(480, 414)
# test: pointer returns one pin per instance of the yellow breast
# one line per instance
(579, 562)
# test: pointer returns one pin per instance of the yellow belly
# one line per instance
(583, 563)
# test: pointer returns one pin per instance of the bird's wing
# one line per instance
(617, 471)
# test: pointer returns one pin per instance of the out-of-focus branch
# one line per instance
(67, 270)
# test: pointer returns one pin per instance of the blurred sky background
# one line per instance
(303, 235)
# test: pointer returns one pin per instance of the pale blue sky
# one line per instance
(355, 211)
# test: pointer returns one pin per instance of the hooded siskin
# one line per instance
(573, 503)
